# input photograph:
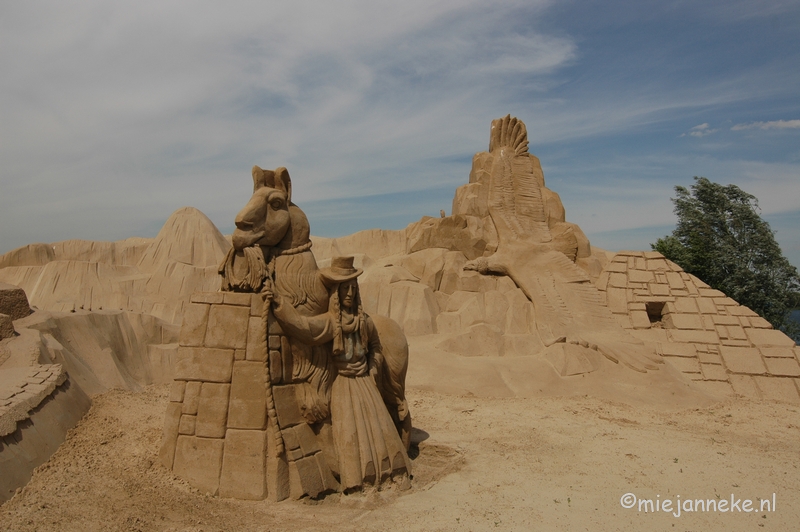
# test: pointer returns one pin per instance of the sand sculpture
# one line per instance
(571, 317)
(109, 314)
(265, 407)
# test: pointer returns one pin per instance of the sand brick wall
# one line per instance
(723, 346)
(216, 433)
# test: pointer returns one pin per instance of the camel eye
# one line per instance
(276, 203)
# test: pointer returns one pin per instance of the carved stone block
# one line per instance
(678, 349)
(785, 367)
(198, 461)
(706, 305)
(778, 389)
(286, 360)
(714, 372)
(170, 437)
(255, 349)
(277, 474)
(176, 391)
(248, 403)
(617, 300)
(237, 298)
(212, 298)
(777, 352)
(212, 410)
(204, 364)
(683, 321)
(305, 478)
(195, 321)
(290, 440)
(684, 364)
(286, 405)
(328, 480)
(691, 336)
(244, 465)
(307, 439)
(743, 360)
(275, 367)
(256, 305)
(187, 425)
(191, 396)
(227, 326)
(771, 337)
(274, 341)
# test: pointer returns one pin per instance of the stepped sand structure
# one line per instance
(503, 298)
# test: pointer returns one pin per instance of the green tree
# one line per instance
(721, 239)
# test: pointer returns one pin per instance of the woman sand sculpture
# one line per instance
(367, 444)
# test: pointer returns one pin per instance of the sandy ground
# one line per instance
(483, 464)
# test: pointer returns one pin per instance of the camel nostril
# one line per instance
(244, 225)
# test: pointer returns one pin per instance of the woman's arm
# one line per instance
(312, 330)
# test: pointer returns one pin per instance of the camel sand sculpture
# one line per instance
(272, 239)
(571, 314)
(249, 415)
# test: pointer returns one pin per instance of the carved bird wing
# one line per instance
(568, 307)
(515, 195)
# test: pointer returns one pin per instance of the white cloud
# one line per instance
(702, 130)
(774, 124)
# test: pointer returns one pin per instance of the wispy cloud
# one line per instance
(702, 130)
(774, 124)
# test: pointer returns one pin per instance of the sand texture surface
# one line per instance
(483, 464)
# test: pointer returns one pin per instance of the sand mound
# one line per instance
(188, 237)
(154, 276)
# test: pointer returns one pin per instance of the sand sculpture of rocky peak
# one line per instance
(187, 237)
(523, 203)
(571, 317)
(154, 276)
(504, 321)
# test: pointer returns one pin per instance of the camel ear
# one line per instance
(262, 178)
(283, 182)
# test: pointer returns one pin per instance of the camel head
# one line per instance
(265, 220)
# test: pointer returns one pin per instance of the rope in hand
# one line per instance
(272, 414)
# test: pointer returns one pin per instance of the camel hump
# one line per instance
(509, 132)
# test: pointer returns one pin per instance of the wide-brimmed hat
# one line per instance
(340, 270)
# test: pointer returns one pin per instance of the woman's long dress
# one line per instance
(368, 447)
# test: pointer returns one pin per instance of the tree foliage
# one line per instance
(721, 239)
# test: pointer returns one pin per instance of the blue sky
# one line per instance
(114, 115)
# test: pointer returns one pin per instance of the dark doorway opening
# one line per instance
(655, 310)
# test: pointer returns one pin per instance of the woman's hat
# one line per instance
(340, 270)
